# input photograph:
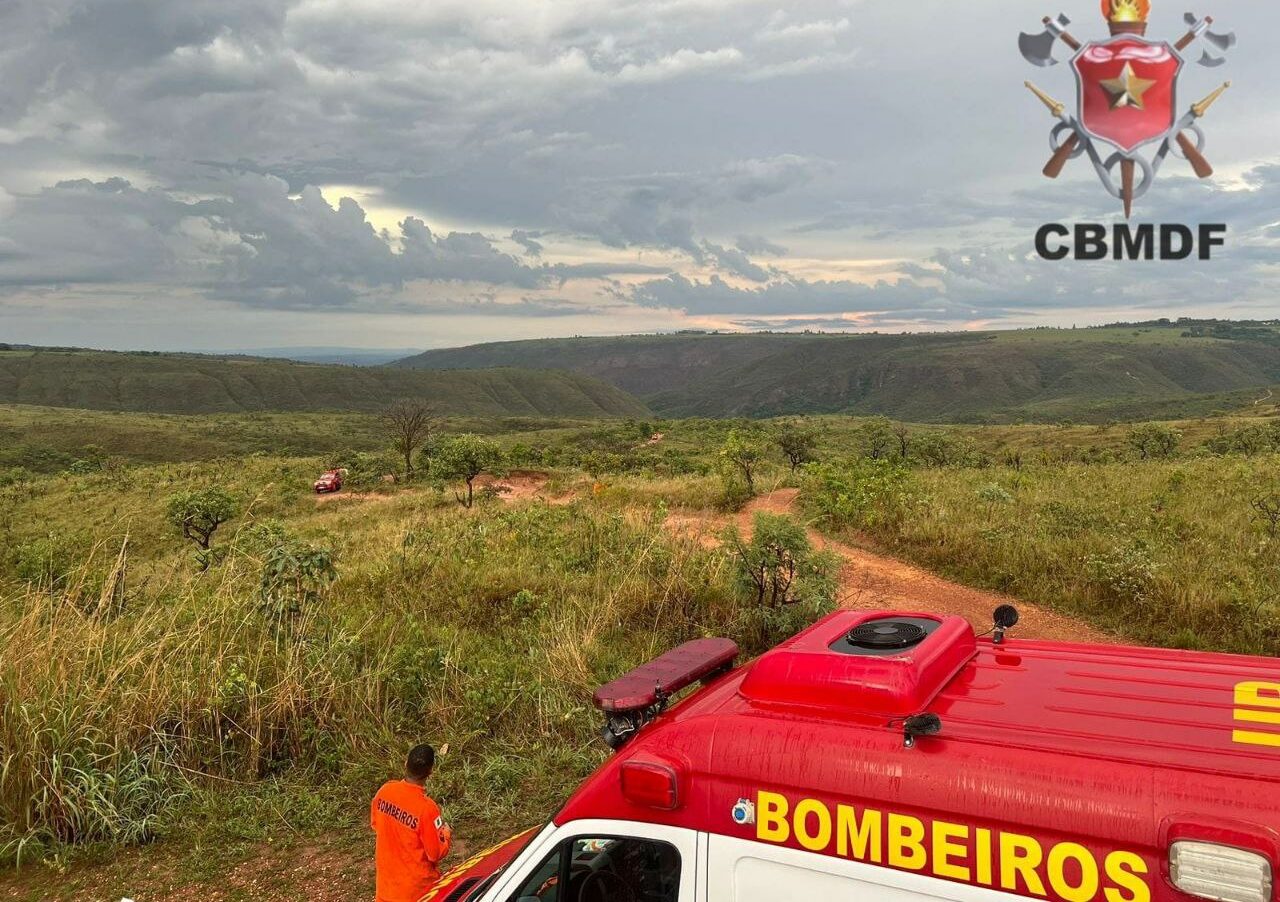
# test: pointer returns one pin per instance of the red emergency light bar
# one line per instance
(666, 675)
(632, 700)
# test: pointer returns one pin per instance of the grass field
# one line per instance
(228, 711)
(1161, 552)
(49, 439)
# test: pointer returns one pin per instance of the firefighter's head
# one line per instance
(420, 763)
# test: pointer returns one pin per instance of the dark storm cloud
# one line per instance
(662, 210)
(759, 246)
(247, 241)
(212, 101)
(734, 261)
(528, 241)
(175, 145)
(990, 282)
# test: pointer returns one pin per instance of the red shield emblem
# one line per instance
(1127, 90)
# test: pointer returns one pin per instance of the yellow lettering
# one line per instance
(1020, 856)
(1023, 867)
(1124, 870)
(1059, 855)
(1257, 703)
(1258, 695)
(906, 842)
(1272, 717)
(982, 845)
(814, 842)
(945, 849)
(858, 838)
(1248, 737)
(771, 817)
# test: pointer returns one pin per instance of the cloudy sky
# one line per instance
(243, 173)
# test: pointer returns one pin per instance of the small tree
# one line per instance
(409, 424)
(799, 443)
(878, 438)
(198, 514)
(903, 434)
(741, 456)
(940, 449)
(1154, 441)
(779, 567)
(295, 576)
(465, 457)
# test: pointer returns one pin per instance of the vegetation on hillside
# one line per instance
(192, 383)
(1169, 552)
(1138, 371)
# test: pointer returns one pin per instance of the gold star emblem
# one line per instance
(1127, 89)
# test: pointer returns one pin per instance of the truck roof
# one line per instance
(1108, 742)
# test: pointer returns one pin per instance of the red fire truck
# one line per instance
(889, 757)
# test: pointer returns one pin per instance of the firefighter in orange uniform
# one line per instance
(412, 837)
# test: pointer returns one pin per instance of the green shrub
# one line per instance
(942, 449)
(1254, 439)
(993, 493)
(45, 562)
(1154, 441)
(798, 443)
(295, 576)
(786, 580)
(13, 476)
(858, 494)
(740, 458)
(1124, 574)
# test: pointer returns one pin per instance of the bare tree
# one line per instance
(1267, 508)
(903, 434)
(410, 423)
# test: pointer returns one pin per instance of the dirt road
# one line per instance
(867, 580)
(873, 581)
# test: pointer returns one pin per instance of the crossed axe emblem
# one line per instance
(1069, 138)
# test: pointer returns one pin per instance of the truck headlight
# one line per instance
(1224, 873)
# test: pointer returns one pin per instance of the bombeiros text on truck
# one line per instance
(889, 757)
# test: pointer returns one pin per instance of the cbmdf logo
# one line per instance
(1127, 117)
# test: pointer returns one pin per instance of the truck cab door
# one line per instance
(605, 861)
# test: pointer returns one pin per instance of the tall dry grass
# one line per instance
(1164, 552)
(133, 686)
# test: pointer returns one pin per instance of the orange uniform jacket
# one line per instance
(412, 839)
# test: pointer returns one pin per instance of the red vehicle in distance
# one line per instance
(331, 481)
(894, 757)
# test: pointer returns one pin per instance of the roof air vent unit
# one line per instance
(881, 634)
(882, 663)
(886, 636)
